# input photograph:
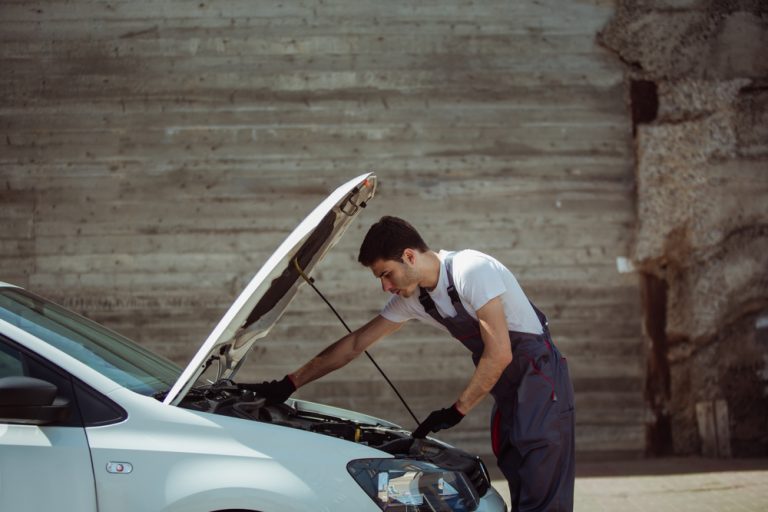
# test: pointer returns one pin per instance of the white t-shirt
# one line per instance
(478, 278)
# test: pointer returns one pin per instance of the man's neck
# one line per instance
(430, 270)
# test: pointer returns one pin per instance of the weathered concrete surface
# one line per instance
(667, 485)
(709, 39)
(702, 177)
(155, 153)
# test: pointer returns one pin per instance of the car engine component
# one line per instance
(227, 398)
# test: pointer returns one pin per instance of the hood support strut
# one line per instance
(311, 282)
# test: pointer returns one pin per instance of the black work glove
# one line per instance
(438, 420)
(275, 392)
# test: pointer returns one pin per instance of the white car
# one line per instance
(91, 421)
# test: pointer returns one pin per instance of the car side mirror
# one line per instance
(31, 401)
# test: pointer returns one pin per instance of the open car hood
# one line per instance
(264, 300)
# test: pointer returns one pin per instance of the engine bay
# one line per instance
(228, 398)
(231, 399)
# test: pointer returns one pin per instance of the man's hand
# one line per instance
(438, 420)
(275, 392)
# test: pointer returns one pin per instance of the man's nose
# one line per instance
(385, 286)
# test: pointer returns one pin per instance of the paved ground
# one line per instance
(675, 485)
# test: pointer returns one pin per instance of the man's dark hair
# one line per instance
(387, 239)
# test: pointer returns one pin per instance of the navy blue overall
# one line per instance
(532, 425)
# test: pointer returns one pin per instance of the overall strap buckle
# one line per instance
(453, 294)
(429, 306)
(426, 301)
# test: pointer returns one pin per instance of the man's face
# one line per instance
(398, 278)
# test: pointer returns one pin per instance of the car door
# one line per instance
(44, 467)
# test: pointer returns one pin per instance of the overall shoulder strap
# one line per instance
(426, 301)
(542, 317)
(429, 306)
(452, 293)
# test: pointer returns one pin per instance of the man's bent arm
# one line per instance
(497, 354)
(344, 350)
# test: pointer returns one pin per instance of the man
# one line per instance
(479, 302)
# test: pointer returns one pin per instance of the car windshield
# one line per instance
(107, 352)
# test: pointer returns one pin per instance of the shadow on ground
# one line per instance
(667, 484)
(652, 467)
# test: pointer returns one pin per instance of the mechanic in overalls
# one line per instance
(479, 302)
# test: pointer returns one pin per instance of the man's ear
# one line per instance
(409, 256)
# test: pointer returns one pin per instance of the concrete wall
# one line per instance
(699, 93)
(155, 153)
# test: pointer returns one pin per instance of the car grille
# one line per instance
(471, 465)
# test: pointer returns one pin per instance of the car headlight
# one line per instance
(402, 485)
